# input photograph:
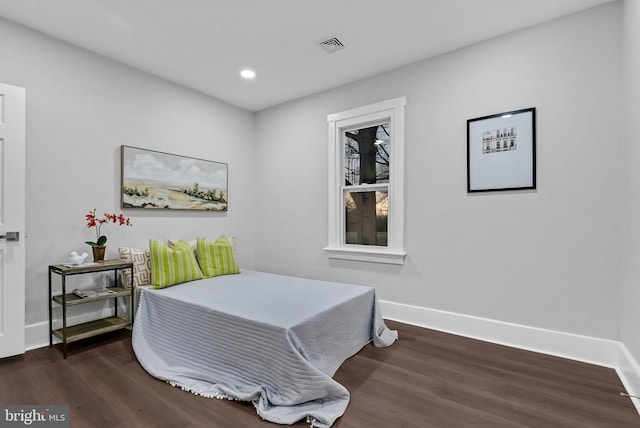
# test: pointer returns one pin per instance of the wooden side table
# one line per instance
(85, 330)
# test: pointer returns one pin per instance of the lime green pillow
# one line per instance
(170, 266)
(216, 258)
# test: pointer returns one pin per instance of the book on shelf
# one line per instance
(93, 293)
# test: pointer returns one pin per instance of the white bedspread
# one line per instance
(270, 339)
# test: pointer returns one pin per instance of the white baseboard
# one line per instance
(37, 336)
(629, 372)
(592, 350)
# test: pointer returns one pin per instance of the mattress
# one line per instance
(273, 340)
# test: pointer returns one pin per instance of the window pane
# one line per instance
(366, 217)
(366, 155)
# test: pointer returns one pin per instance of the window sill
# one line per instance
(366, 255)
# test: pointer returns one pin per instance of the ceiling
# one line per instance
(204, 44)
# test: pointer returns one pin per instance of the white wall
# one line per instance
(630, 320)
(80, 108)
(550, 258)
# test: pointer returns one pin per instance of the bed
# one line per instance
(273, 340)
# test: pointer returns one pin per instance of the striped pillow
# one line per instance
(170, 266)
(216, 258)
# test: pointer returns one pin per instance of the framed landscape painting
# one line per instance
(501, 151)
(157, 180)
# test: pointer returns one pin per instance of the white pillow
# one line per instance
(193, 244)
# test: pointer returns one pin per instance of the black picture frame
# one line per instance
(501, 151)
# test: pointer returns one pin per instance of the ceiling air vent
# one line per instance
(331, 45)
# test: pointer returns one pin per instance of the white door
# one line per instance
(12, 220)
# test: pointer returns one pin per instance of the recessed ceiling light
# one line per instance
(505, 116)
(248, 74)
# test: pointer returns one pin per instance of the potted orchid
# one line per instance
(99, 245)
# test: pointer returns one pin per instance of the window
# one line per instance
(366, 189)
(366, 184)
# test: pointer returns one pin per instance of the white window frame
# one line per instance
(393, 253)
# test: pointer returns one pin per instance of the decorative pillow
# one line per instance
(141, 266)
(216, 258)
(193, 243)
(232, 239)
(171, 266)
(172, 242)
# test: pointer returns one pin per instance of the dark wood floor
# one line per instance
(426, 379)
